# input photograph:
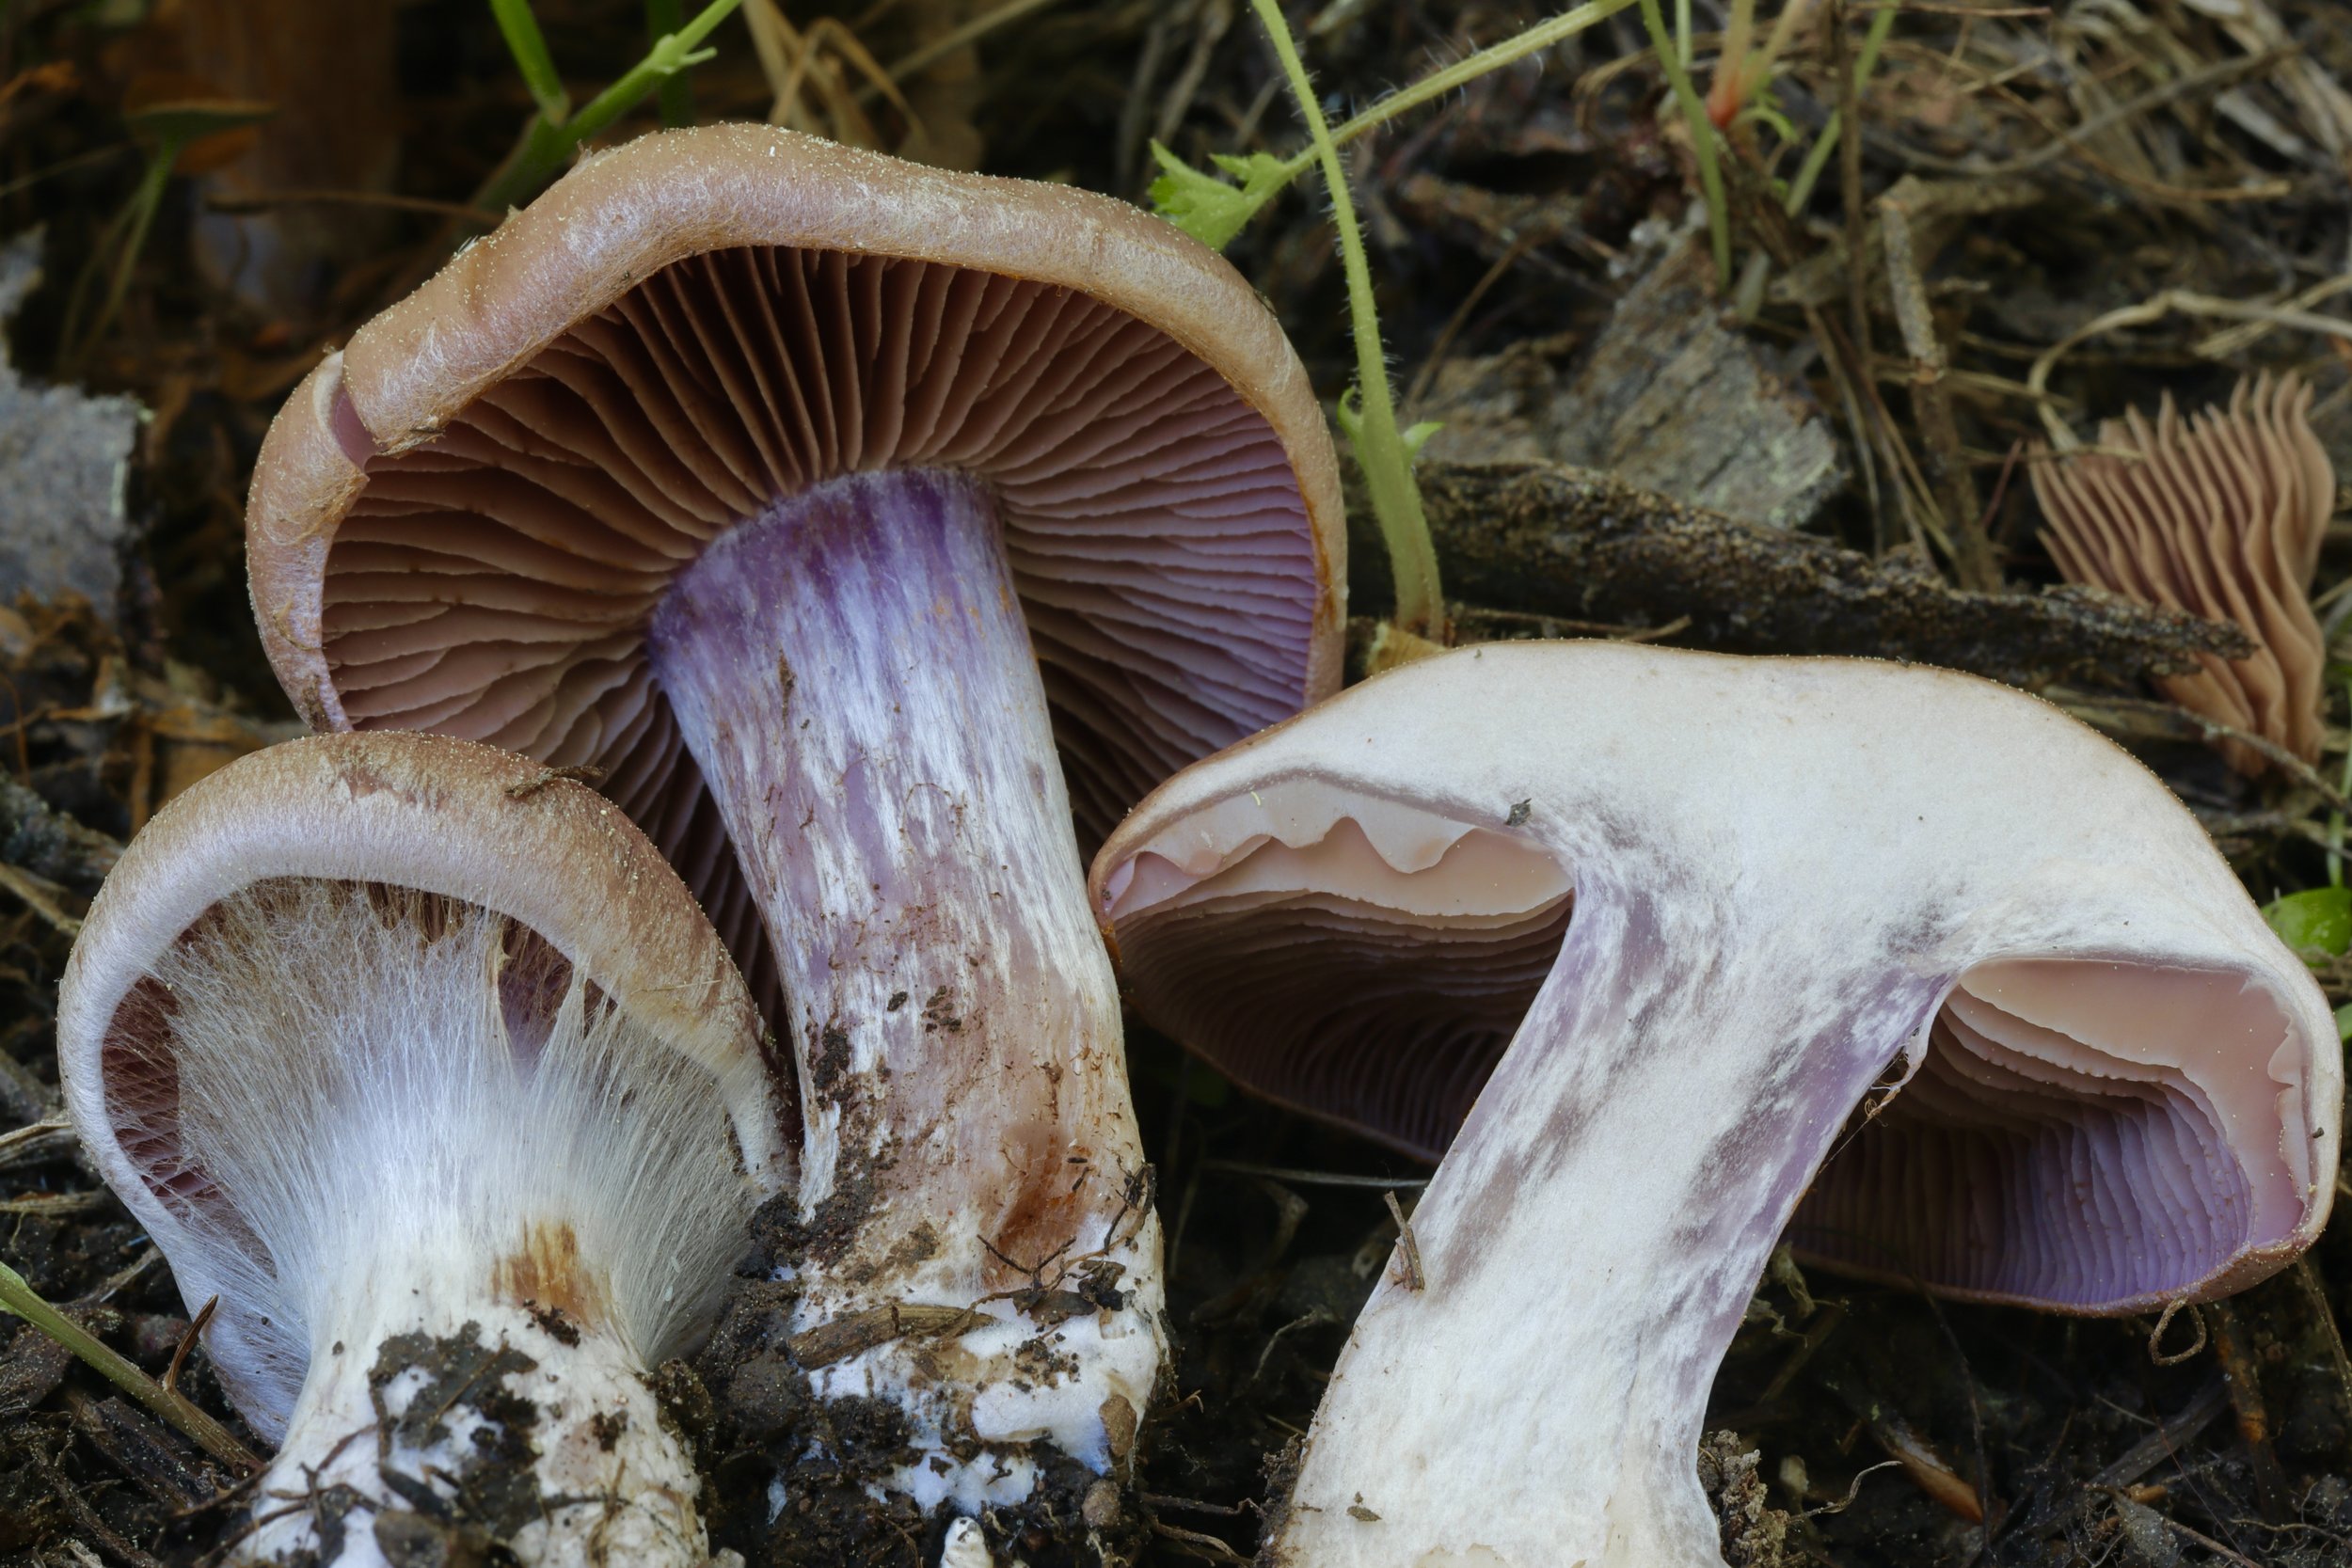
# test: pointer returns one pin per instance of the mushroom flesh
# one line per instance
(1661, 922)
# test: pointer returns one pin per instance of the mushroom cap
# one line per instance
(462, 522)
(2122, 1087)
(2222, 514)
(429, 814)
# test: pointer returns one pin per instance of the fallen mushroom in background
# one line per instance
(2221, 514)
(427, 1067)
(815, 496)
(1688, 910)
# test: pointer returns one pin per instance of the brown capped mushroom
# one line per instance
(818, 499)
(426, 1065)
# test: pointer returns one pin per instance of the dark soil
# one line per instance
(2065, 165)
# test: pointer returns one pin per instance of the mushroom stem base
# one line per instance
(480, 1424)
(853, 675)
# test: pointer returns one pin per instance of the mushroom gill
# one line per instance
(2220, 514)
(495, 581)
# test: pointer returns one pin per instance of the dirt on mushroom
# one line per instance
(2165, 148)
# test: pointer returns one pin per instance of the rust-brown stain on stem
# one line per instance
(546, 1272)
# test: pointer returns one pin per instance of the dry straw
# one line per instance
(2220, 514)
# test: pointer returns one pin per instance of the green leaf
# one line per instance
(2344, 1023)
(1417, 436)
(2317, 924)
(1207, 208)
(182, 120)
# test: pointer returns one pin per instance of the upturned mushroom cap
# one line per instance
(463, 522)
(589, 900)
(2222, 514)
(1698, 906)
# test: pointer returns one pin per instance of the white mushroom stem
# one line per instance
(454, 1194)
(1788, 877)
(405, 1397)
(852, 674)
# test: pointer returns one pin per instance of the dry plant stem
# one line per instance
(1543, 35)
(948, 43)
(1851, 204)
(1379, 445)
(20, 1298)
(1572, 543)
(2186, 301)
(855, 676)
(2244, 1377)
(1831, 140)
(1972, 561)
(38, 895)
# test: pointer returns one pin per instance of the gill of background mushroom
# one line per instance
(1678, 913)
(2222, 514)
(815, 497)
(427, 1067)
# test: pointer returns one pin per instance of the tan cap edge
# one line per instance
(442, 816)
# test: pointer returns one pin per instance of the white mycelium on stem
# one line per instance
(457, 1194)
(852, 674)
(1706, 903)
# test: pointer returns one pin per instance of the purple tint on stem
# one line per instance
(853, 675)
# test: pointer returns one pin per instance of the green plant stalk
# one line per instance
(2335, 818)
(1702, 140)
(1817, 157)
(676, 97)
(1379, 446)
(530, 48)
(547, 145)
(1460, 74)
(141, 215)
(20, 1298)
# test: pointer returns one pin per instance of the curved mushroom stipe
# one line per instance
(2221, 514)
(1699, 907)
(425, 1065)
(507, 511)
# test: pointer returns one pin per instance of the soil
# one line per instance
(2056, 165)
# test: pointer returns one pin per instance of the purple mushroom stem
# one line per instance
(854, 676)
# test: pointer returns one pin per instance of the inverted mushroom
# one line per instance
(1687, 910)
(815, 496)
(2221, 514)
(427, 1067)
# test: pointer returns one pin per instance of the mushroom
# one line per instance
(815, 496)
(1680, 914)
(425, 1068)
(2221, 514)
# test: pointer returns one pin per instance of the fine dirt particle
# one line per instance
(1753, 1533)
(832, 1461)
(411, 1540)
(497, 1487)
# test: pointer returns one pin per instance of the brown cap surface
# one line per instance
(463, 524)
(439, 815)
(2221, 514)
